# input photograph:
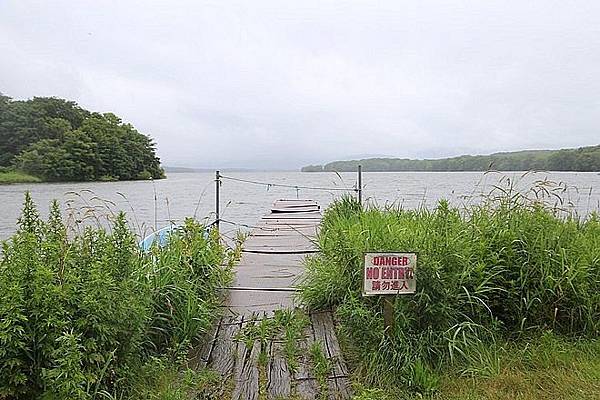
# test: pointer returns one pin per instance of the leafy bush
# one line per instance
(505, 269)
(82, 316)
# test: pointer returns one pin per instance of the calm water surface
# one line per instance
(149, 204)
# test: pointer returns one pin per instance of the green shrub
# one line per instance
(9, 176)
(144, 175)
(507, 268)
(81, 316)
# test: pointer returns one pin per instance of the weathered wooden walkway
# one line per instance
(268, 271)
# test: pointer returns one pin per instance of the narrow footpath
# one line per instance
(269, 270)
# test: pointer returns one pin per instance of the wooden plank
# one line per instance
(297, 242)
(246, 387)
(291, 250)
(257, 261)
(295, 201)
(291, 224)
(321, 338)
(278, 233)
(290, 240)
(245, 302)
(294, 215)
(272, 250)
(295, 204)
(288, 244)
(223, 355)
(292, 206)
(270, 230)
(295, 209)
(282, 247)
(241, 350)
(279, 381)
(325, 332)
(265, 224)
(306, 386)
(269, 277)
(291, 219)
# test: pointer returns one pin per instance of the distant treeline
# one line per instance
(56, 140)
(583, 159)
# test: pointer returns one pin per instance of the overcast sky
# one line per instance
(280, 84)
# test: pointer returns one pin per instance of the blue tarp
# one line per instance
(161, 237)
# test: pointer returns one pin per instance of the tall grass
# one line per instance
(82, 317)
(504, 269)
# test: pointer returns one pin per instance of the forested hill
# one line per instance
(56, 140)
(581, 159)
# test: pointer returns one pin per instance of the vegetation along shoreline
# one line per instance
(582, 159)
(506, 306)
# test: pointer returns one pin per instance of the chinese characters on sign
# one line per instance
(389, 273)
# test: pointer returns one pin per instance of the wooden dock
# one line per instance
(269, 270)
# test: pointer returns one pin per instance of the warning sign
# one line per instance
(389, 273)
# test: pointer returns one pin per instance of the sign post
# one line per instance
(389, 274)
(388, 313)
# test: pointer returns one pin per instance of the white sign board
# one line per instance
(389, 273)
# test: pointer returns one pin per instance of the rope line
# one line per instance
(267, 184)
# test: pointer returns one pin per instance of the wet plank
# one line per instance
(289, 203)
(306, 386)
(271, 276)
(297, 213)
(278, 376)
(324, 330)
(223, 354)
(245, 302)
(293, 217)
(290, 241)
(246, 383)
(295, 208)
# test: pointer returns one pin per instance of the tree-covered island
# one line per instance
(52, 139)
(583, 159)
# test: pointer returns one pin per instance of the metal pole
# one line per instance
(217, 200)
(360, 184)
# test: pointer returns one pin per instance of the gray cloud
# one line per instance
(274, 84)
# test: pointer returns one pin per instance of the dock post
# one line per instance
(217, 200)
(359, 184)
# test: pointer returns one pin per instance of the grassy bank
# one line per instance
(93, 317)
(547, 367)
(508, 298)
(17, 177)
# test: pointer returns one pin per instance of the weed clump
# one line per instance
(86, 316)
(501, 270)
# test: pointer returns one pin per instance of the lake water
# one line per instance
(149, 204)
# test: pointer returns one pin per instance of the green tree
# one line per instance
(57, 140)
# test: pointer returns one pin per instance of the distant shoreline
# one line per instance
(583, 159)
(16, 177)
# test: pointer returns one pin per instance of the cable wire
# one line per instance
(267, 184)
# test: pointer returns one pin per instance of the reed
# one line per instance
(505, 270)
